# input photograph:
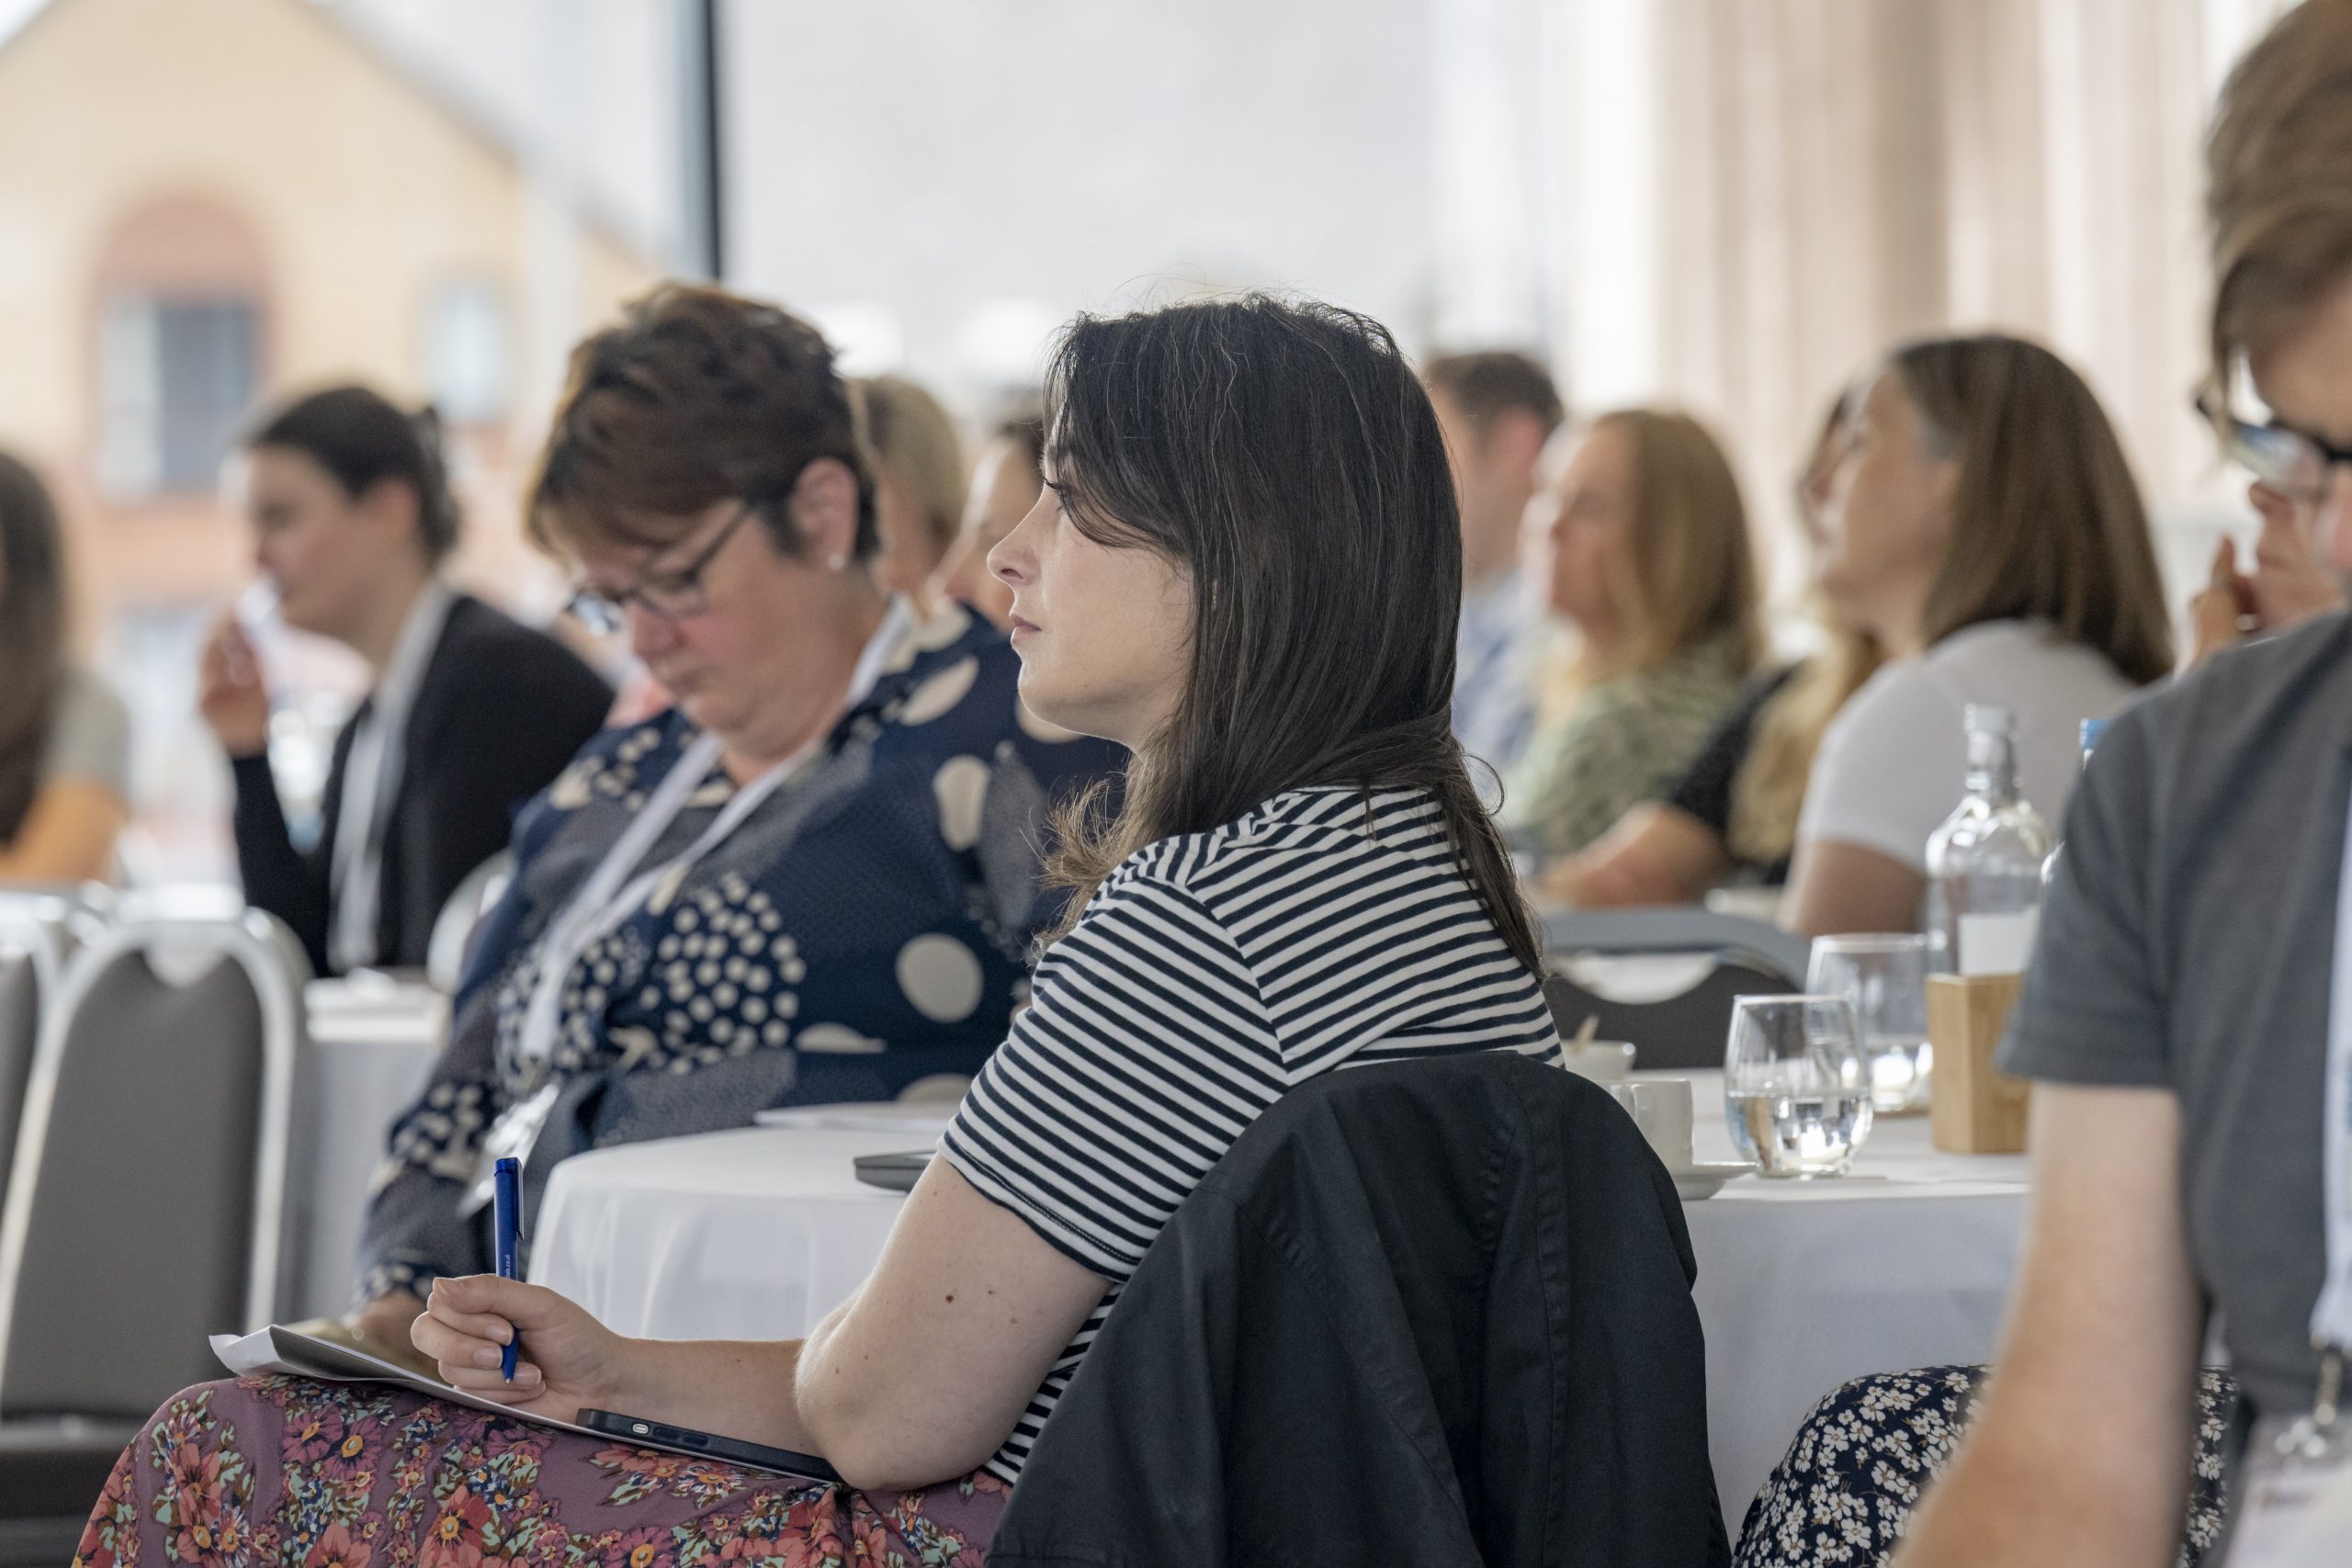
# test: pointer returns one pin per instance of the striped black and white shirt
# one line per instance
(1213, 972)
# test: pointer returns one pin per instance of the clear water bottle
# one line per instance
(1985, 863)
(2092, 729)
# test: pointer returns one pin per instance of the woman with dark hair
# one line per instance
(1245, 569)
(64, 739)
(470, 714)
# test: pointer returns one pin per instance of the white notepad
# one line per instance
(278, 1349)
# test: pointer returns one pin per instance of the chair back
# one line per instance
(146, 1206)
(453, 929)
(38, 932)
(1739, 957)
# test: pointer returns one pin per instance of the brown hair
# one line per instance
(1284, 456)
(32, 635)
(2278, 179)
(909, 437)
(2047, 523)
(363, 440)
(1484, 384)
(1768, 792)
(694, 397)
(1688, 576)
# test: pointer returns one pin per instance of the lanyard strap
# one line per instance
(371, 778)
(2332, 1314)
(603, 902)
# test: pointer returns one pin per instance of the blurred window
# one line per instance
(174, 376)
(468, 359)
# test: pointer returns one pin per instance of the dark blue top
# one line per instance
(868, 925)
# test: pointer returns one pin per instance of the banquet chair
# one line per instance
(1734, 956)
(453, 929)
(146, 1207)
(1421, 1312)
(39, 929)
(1846, 1488)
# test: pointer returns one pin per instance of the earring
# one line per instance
(837, 560)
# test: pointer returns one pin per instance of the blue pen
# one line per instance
(506, 1226)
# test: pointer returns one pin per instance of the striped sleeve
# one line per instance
(1146, 1051)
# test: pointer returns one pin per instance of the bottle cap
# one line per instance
(1990, 716)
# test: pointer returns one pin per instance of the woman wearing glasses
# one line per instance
(470, 714)
(814, 878)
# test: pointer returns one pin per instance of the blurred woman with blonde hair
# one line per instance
(1639, 540)
(1732, 816)
(919, 480)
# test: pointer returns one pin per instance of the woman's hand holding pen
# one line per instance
(569, 1362)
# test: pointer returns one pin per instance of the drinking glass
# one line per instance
(1886, 979)
(1796, 1085)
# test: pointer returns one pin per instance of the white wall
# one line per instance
(944, 181)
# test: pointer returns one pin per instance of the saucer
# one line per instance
(1696, 1181)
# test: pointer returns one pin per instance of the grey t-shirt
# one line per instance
(89, 735)
(2188, 943)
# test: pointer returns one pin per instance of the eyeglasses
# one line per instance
(2297, 466)
(673, 595)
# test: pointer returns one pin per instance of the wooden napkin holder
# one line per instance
(1974, 1110)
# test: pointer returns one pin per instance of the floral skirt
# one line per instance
(303, 1475)
(1847, 1486)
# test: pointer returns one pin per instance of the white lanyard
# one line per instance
(603, 903)
(2332, 1314)
(371, 780)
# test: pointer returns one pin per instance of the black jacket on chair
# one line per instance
(499, 712)
(1422, 1314)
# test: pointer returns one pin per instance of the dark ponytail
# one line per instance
(363, 439)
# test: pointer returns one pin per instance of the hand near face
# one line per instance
(2292, 581)
(230, 692)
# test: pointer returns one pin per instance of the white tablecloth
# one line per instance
(759, 1231)
(371, 1049)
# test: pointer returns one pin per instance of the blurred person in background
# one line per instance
(468, 716)
(1006, 482)
(2184, 1016)
(919, 481)
(65, 737)
(1984, 528)
(1497, 410)
(814, 878)
(1639, 540)
(1732, 816)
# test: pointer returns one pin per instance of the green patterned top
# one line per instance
(1625, 741)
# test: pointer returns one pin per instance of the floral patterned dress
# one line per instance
(1845, 1490)
(295, 1473)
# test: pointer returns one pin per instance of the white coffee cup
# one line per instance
(1661, 1109)
(1602, 1061)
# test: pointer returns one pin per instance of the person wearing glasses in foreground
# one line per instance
(814, 878)
(2188, 1011)
(1244, 569)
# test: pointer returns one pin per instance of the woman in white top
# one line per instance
(1984, 527)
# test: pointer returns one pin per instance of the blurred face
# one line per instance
(1104, 633)
(1886, 519)
(740, 667)
(331, 555)
(1495, 473)
(907, 557)
(1003, 489)
(1579, 528)
(2300, 376)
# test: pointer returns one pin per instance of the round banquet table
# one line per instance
(373, 1043)
(757, 1232)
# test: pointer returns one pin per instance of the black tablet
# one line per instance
(686, 1439)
